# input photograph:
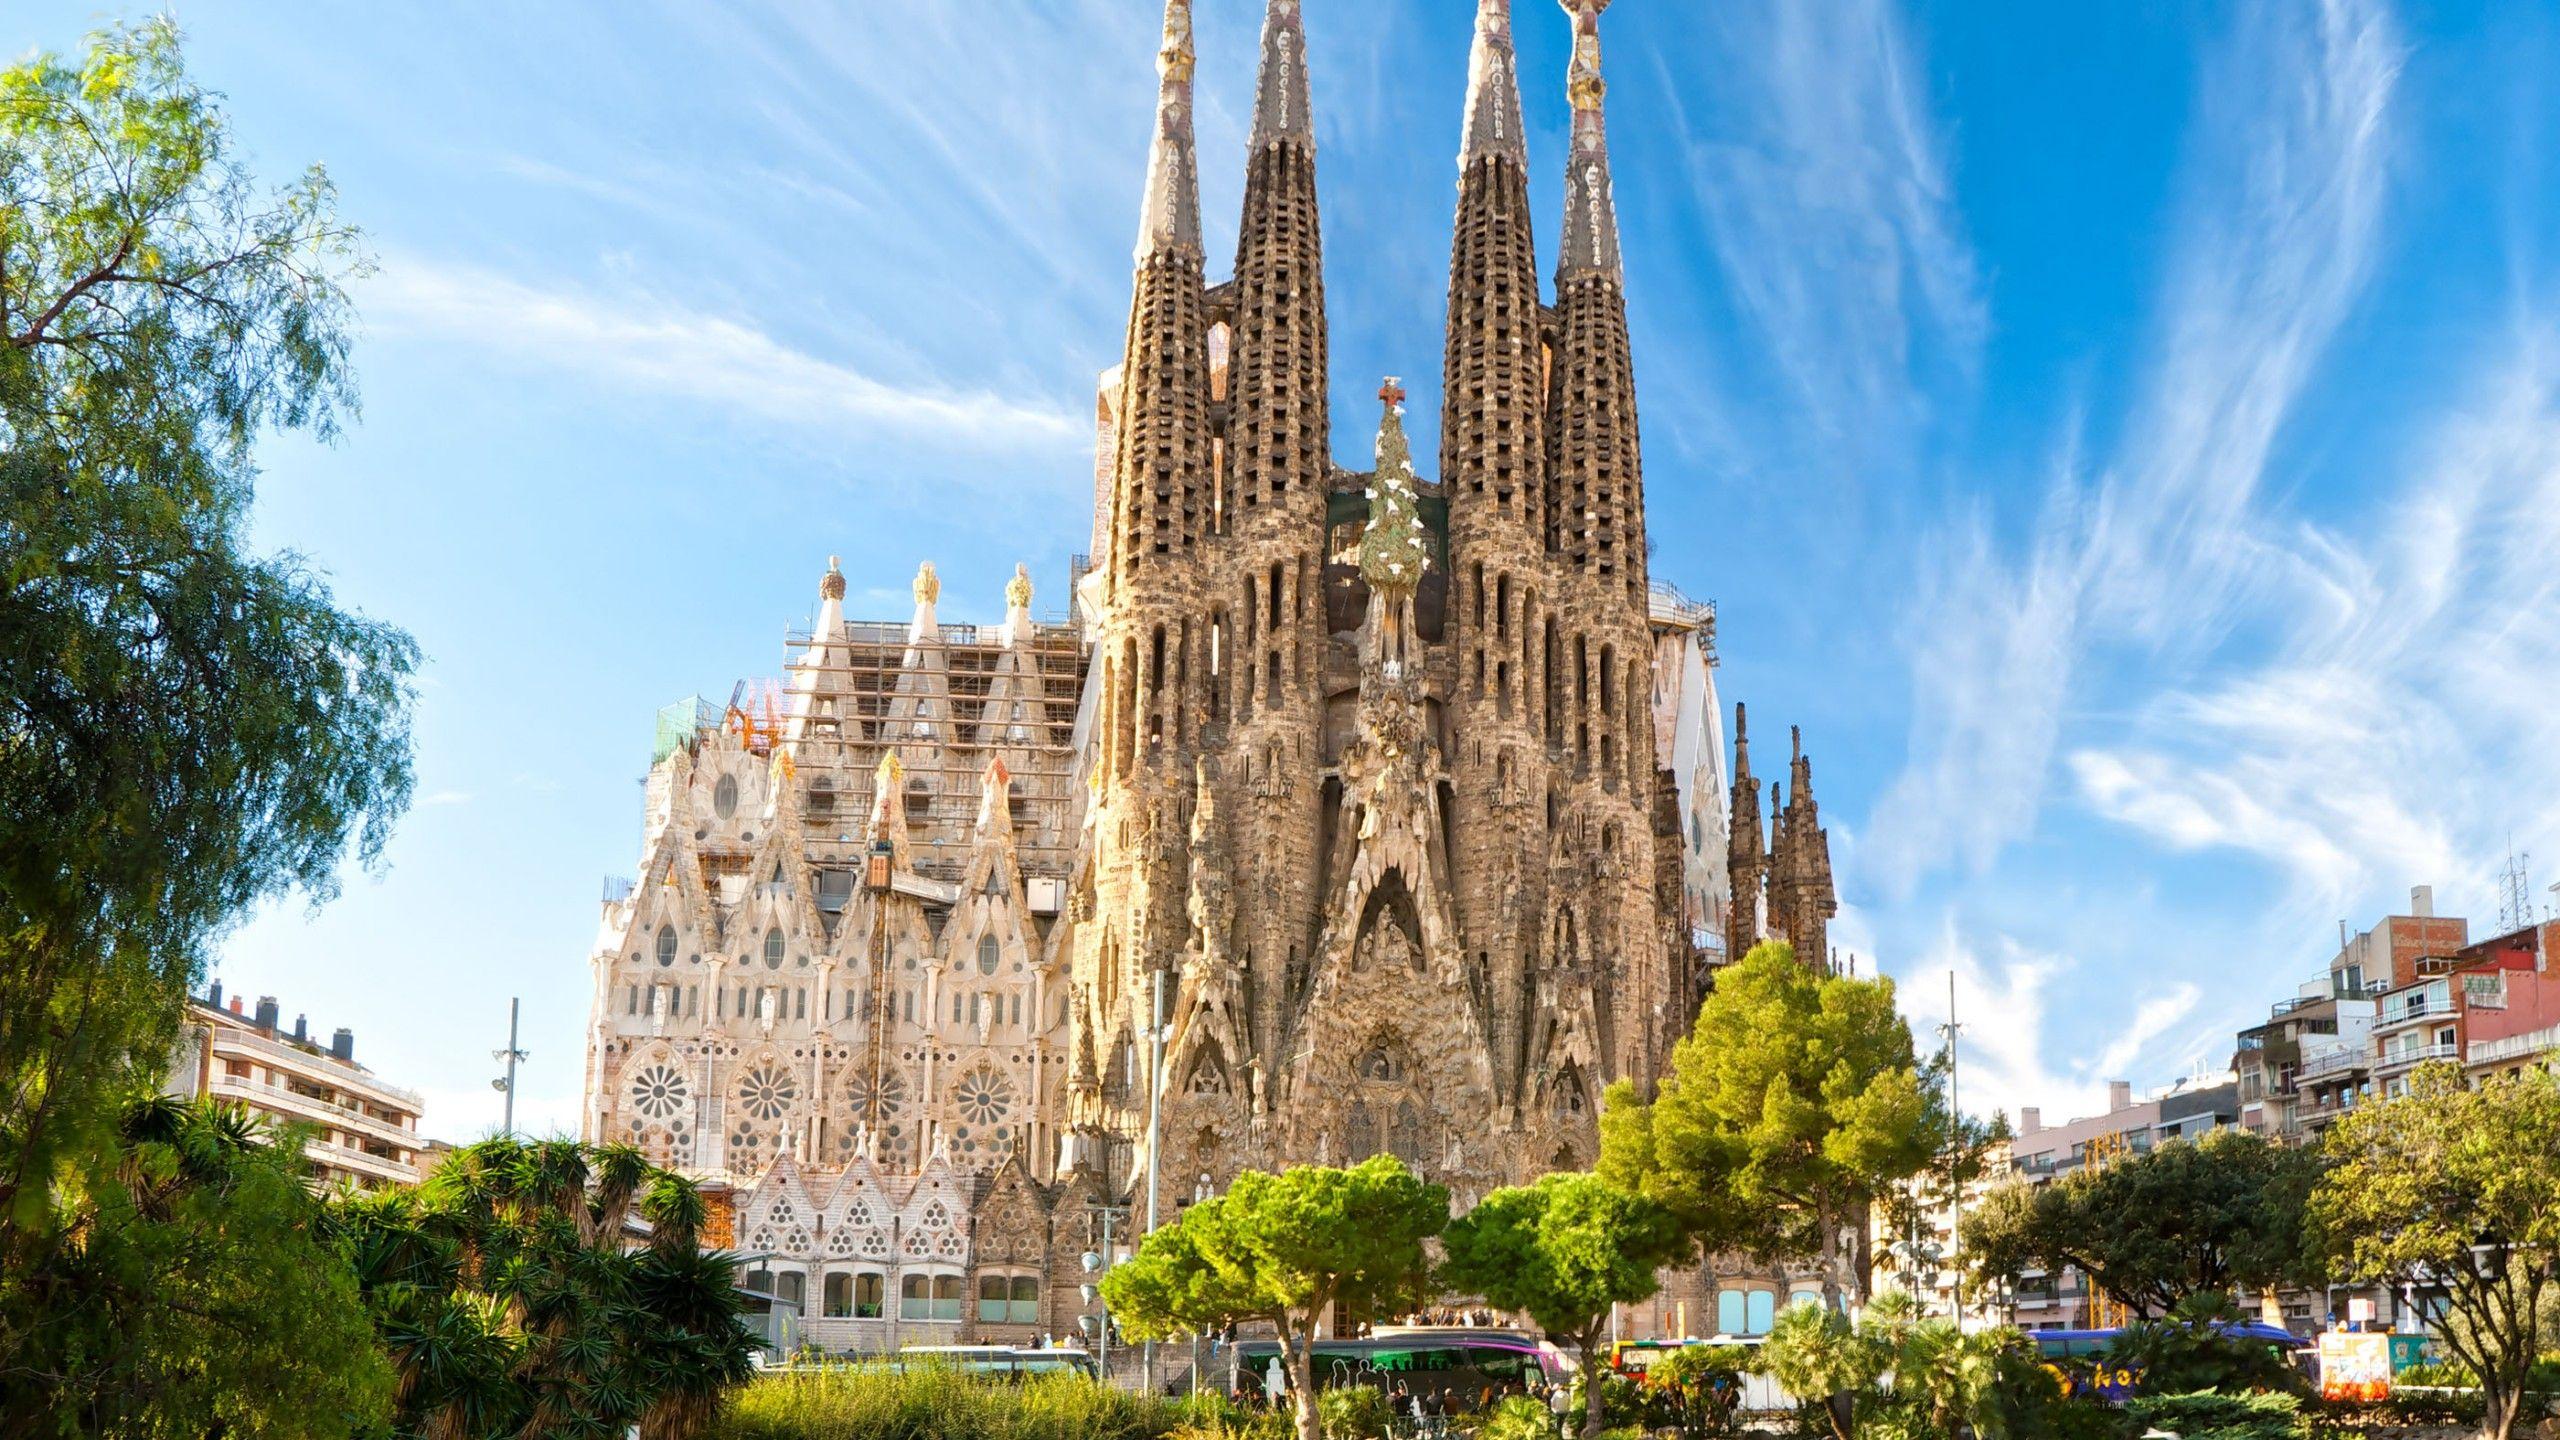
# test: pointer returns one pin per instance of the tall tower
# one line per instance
(1746, 847)
(1154, 643)
(1492, 416)
(1594, 528)
(1268, 613)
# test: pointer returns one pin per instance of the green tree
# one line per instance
(2204, 1216)
(198, 1291)
(1564, 1251)
(510, 1305)
(185, 728)
(1791, 1109)
(2462, 1185)
(1279, 1249)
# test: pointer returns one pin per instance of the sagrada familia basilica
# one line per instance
(1389, 812)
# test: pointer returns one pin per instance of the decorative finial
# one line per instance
(892, 772)
(1017, 591)
(928, 586)
(1583, 86)
(1590, 208)
(831, 585)
(1392, 552)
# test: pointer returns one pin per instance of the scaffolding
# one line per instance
(841, 705)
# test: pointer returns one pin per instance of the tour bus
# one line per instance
(1004, 1362)
(1460, 1366)
(2116, 1384)
(1633, 1358)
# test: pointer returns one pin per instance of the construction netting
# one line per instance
(679, 723)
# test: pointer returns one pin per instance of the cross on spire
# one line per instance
(1391, 392)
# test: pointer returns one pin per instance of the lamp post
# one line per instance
(506, 1084)
(1096, 1265)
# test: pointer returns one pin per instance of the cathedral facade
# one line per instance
(1346, 810)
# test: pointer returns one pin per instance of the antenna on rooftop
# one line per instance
(2515, 892)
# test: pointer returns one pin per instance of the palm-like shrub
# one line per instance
(510, 1302)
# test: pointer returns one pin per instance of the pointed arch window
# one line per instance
(773, 948)
(1359, 1134)
(990, 954)
(666, 945)
(724, 797)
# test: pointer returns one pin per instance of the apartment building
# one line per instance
(2513, 1019)
(2041, 1154)
(361, 1130)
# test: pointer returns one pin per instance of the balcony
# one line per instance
(327, 1114)
(315, 1062)
(2514, 1047)
(2332, 1060)
(2401, 1056)
(359, 1162)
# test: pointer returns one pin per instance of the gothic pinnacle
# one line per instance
(1280, 108)
(1493, 90)
(1169, 218)
(1590, 208)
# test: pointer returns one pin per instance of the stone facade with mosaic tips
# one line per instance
(1406, 791)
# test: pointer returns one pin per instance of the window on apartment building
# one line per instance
(236, 1069)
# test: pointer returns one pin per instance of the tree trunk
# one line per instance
(2499, 1408)
(1300, 1350)
(1592, 1369)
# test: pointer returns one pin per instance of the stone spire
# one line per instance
(1804, 869)
(1493, 91)
(1280, 110)
(1594, 516)
(1590, 210)
(1169, 218)
(1746, 856)
(1277, 434)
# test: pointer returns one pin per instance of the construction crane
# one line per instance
(2105, 1311)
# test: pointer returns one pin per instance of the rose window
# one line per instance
(659, 1091)
(767, 1093)
(983, 1097)
(860, 1095)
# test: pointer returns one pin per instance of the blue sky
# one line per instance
(2126, 438)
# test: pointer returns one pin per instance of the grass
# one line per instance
(933, 1403)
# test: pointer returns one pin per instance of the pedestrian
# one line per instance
(1560, 1404)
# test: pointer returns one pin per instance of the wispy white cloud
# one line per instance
(2275, 244)
(2004, 995)
(658, 348)
(1820, 184)
(438, 798)
(2409, 720)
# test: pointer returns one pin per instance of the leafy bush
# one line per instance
(2205, 1415)
(1354, 1412)
(1517, 1418)
(932, 1402)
